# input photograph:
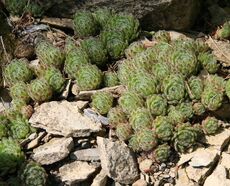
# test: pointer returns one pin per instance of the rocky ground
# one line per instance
(75, 144)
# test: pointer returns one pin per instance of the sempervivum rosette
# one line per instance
(173, 87)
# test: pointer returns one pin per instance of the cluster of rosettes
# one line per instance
(167, 90)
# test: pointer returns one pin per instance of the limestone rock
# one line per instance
(225, 160)
(145, 165)
(118, 161)
(201, 163)
(218, 177)
(100, 179)
(75, 172)
(219, 141)
(53, 151)
(183, 179)
(203, 157)
(34, 143)
(86, 154)
(164, 14)
(63, 118)
(140, 182)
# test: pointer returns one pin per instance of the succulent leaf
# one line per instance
(116, 115)
(210, 125)
(124, 131)
(162, 153)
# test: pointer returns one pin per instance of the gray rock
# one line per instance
(154, 14)
(53, 151)
(63, 118)
(118, 161)
(86, 154)
(100, 179)
(218, 177)
(75, 172)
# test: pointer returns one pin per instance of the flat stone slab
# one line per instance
(75, 172)
(219, 141)
(86, 154)
(53, 151)
(118, 161)
(218, 177)
(63, 118)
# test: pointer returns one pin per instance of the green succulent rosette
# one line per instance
(227, 88)
(209, 62)
(185, 62)
(175, 116)
(75, 58)
(111, 79)
(211, 98)
(130, 101)
(49, 55)
(124, 23)
(162, 153)
(40, 90)
(198, 108)
(185, 137)
(163, 128)
(157, 104)
(201, 46)
(19, 128)
(4, 131)
(162, 36)
(195, 88)
(224, 32)
(88, 77)
(55, 79)
(115, 43)
(96, 51)
(33, 174)
(134, 49)
(124, 131)
(161, 70)
(147, 139)
(140, 119)
(18, 70)
(215, 82)
(102, 102)
(126, 71)
(134, 143)
(161, 52)
(18, 104)
(85, 24)
(11, 156)
(19, 91)
(70, 44)
(185, 45)
(186, 109)
(173, 87)
(143, 84)
(102, 15)
(143, 61)
(210, 125)
(116, 115)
